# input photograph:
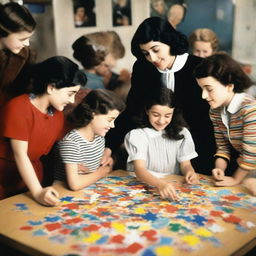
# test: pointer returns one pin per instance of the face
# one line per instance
(158, 54)
(215, 93)
(105, 66)
(60, 98)
(202, 49)
(159, 6)
(160, 116)
(15, 42)
(102, 123)
(175, 15)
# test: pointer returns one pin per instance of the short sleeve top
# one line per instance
(21, 120)
(161, 154)
(75, 149)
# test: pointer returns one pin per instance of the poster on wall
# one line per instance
(172, 10)
(121, 10)
(84, 13)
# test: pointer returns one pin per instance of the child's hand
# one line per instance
(167, 190)
(191, 177)
(48, 196)
(104, 170)
(107, 160)
(218, 174)
(226, 182)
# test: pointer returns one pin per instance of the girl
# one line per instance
(31, 124)
(16, 27)
(161, 56)
(233, 114)
(161, 146)
(82, 151)
(203, 42)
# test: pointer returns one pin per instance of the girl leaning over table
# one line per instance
(82, 158)
(31, 125)
(233, 114)
(161, 145)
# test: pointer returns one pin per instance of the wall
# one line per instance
(66, 33)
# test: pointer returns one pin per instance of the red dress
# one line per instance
(21, 120)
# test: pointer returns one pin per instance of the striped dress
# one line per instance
(74, 149)
(236, 126)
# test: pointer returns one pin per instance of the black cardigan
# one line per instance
(188, 95)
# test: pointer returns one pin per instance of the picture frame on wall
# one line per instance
(84, 13)
(122, 14)
(172, 10)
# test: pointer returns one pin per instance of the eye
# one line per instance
(145, 53)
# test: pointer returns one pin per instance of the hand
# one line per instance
(107, 160)
(167, 190)
(218, 174)
(191, 177)
(104, 170)
(48, 196)
(226, 182)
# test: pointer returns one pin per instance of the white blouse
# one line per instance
(161, 154)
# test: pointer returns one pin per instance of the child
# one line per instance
(16, 27)
(31, 124)
(82, 151)
(203, 42)
(161, 146)
(233, 114)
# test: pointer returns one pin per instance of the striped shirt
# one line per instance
(161, 154)
(236, 126)
(74, 149)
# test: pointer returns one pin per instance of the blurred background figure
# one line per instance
(121, 12)
(158, 8)
(176, 14)
(98, 54)
(84, 15)
(203, 42)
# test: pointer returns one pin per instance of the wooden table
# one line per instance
(121, 216)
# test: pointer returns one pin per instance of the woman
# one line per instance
(233, 113)
(16, 27)
(161, 56)
(30, 126)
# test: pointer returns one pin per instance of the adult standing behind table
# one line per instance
(161, 56)
(16, 28)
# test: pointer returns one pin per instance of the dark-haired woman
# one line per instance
(16, 27)
(31, 124)
(161, 56)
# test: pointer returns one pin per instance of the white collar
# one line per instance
(178, 64)
(236, 103)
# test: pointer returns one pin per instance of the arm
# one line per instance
(79, 181)
(45, 196)
(166, 189)
(188, 171)
(237, 178)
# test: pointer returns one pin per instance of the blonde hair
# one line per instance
(205, 35)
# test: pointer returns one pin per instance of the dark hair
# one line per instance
(164, 97)
(98, 101)
(87, 52)
(158, 29)
(15, 18)
(59, 71)
(224, 69)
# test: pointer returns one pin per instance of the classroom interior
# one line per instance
(232, 20)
